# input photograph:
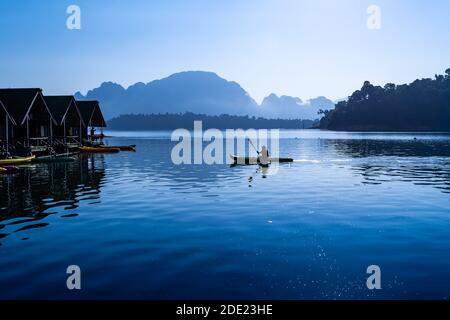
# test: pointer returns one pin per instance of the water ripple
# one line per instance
(143, 227)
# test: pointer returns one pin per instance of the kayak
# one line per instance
(99, 149)
(8, 169)
(54, 159)
(121, 148)
(254, 160)
(17, 160)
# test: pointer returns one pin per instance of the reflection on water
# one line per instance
(419, 162)
(433, 174)
(141, 227)
(392, 148)
(37, 191)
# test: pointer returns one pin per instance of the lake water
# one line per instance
(141, 227)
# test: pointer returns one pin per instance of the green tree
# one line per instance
(423, 105)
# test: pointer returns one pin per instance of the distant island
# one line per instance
(149, 122)
(199, 92)
(422, 106)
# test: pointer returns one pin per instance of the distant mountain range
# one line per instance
(202, 93)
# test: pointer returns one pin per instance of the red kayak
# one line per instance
(8, 169)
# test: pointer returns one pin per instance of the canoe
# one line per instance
(17, 160)
(8, 169)
(121, 148)
(54, 159)
(254, 160)
(99, 149)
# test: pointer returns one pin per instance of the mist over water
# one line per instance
(141, 227)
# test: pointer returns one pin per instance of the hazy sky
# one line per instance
(302, 48)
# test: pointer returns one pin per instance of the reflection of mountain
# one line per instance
(33, 192)
(198, 92)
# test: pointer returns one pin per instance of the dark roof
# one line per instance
(91, 113)
(86, 108)
(6, 111)
(58, 106)
(18, 101)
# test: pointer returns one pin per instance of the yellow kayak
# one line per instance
(121, 148)
(99, 149)
(17, 160)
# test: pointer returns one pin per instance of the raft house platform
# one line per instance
(34, 125)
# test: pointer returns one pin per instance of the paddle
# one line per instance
(253, 145)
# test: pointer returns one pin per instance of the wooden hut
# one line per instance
(92, 116)
(69, 123)
(30, 124)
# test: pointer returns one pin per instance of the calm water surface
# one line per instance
(140, 227)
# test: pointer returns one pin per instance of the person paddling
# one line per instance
(263, 156)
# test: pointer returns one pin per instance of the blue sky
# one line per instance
(301, 48)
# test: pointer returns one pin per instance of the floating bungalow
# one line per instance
(28, 120)
(92, 116)
(31, 123)
(68, 132)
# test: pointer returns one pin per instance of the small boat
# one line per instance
(99, 149)
(131, 147)
(17, 160)
(53, 158)
(8, 169)
(254, 160)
